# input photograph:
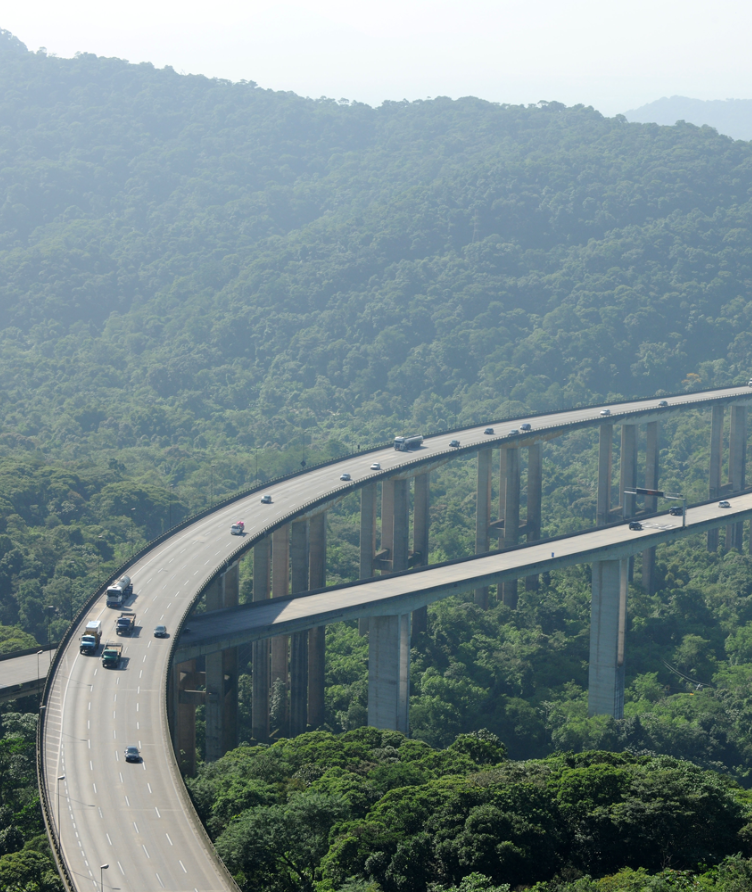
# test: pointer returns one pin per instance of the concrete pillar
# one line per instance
(605, 447)
(299, 557)
(260, 678)
(534, 502)
(628, 468)
(184, 731)
(230, 665)
(367, 530)
(716, 463)
(421, 525)
(280, 589)
(401, 525)
(509, 509)
(317, 636)
(737, 469)
(483, 516)
(387, 517)
(221, 711)
(214, 710)
(651, 502)
(388, 672)
(368, 497)
(607, 628)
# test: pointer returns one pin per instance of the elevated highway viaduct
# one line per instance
(137, 817)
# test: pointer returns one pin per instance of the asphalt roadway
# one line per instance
(135, 817)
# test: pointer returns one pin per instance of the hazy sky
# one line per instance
(607, 53)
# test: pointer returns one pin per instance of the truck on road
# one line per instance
(125, 623)
(405, 444)
(91, 637)
(111, 655)
(119, 592)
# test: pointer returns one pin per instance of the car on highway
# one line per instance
(237, 529)
(676, 511)
(662, 404)
(345, 476)
(266, 500)
(635, 525)
(724, 504)
(526, 426)
(375, 466)
(489, 431)
(160, 631)
(513, 432)
(454, 444)
(132, 754)
(749, 383)
(605, 411)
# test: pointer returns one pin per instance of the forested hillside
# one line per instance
(204, 284)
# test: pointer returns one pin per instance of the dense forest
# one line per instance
(204, 284)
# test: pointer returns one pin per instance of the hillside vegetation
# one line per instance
(204, 284)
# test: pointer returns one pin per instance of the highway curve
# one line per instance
(137, 817)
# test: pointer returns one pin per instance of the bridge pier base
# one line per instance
(421, 525)
(389, 672)
(716, 461)
(607, 628)
(483, 516)
(509, 510)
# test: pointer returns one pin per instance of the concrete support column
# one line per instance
(534, 502)
(214, 711)
(367, 530)
(401, 525)
(260, 667)
(605, 447)
(737, 469)
(387, 518)
(299, 554)
(184, 730)
(421, 525)
(230, 665)
(651, 502)
(607, 627)
(509, 509)
(716, 463)
(388, 672)
(628, 468)
(280, 589)
(483, 516)
(221, 713)
(317, 636)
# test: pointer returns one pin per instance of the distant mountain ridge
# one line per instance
(732, 117)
